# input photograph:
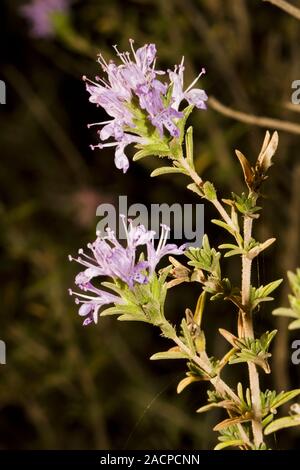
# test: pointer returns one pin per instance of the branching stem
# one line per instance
(247, 323)
(221, 387)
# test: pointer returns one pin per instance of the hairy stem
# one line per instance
(248, 333)
(247, 322)
(223, 213)
(205, 365)
(220, 386)
(199, 182)
(217, 382)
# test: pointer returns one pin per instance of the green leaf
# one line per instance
(187, 336)
(252, 350)
(237, 251)
(209, 191)
(160, 149)
(266, 339)
(267, 420)
(167, 170)
(294, 280)
(261, 294)
(271, 286)
(205, 258)
(112, 287)
(128, 317)
(223, 224)
(294, 300)
(168, 98)
(294, 325)
(199, 309)
(281, 423)
(121, 309)
(285, 312)
(168, 355)
(205, 243)
(182, 122)
(233, 443)
(189, 147)
(245, 203)
(122, 291)
(193, 187)
(164, 274)
(230, 246)
(283, 397)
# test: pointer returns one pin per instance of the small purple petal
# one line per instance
(121, 161)
(87, 321)
(145, 56)
(85, 309)
(197, 97)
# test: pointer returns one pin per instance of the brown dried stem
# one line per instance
(286, 6)
(260, 121)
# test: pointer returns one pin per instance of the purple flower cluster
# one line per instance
(132, 89)
(109, 258)
(39, 13)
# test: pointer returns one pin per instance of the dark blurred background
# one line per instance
(68, 387)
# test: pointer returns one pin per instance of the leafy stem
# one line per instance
(220, 386)
(200, 183)
(247, 330)
(253, 178)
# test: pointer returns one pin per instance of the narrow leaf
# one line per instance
(281, 423)
(199, 309)
(135, 317)
(294, 325)
(193, 187)
(247, 170)
(285, 312)
(223, 225)
(228, 336)
(230, 422)
(164, 170)
(186, 382)
(168, 355)
(232, 443)
(189, 146)
(285, 397)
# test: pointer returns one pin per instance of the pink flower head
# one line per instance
(108, 258)
(132, 91)
(39, 13)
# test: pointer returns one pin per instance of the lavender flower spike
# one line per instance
(39, 13)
